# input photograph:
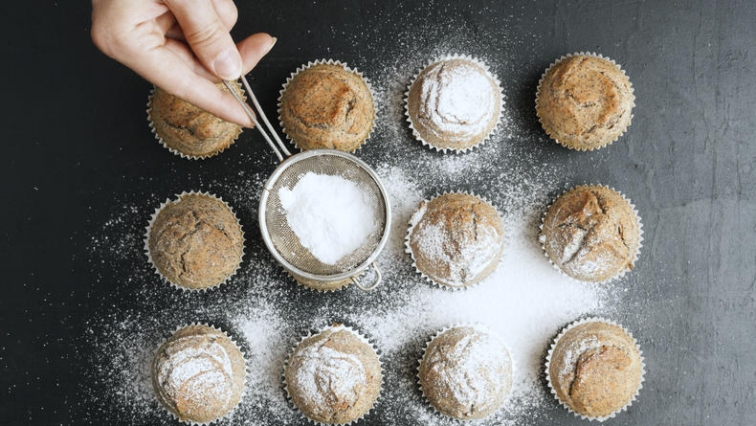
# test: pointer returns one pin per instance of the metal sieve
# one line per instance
(281, 240)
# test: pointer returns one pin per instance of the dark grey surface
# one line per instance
(77, 149)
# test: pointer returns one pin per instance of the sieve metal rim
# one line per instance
(296, 158)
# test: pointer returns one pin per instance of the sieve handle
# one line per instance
(378, 278)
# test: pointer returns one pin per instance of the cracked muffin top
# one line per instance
(188, 130)
(195, 242)
(585, 102)
(591, 233)
(327, 106)
(595, 368)
(465, 373)
(456, 239)
(333, 377)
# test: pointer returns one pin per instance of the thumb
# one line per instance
(207, 36)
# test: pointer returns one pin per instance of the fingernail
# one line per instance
(227, 65)
(272, 43)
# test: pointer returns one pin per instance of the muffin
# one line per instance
(591, 233)
(455, 240)
(465, 373)
(454, 103)
(195, 242)
(333, 377)
(327, 105)
(584, 101)
(199, 374)
(595, 368)
(187, 130)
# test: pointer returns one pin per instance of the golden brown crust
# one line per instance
(439, 128)
(333, 377)
(591, 233)
(456, 239)
(327, 106)
(465, 374)
(196, 242)
(188, 129)
(585, 102)
(196, 349)
(596, 369)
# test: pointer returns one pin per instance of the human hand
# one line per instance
(181, 46)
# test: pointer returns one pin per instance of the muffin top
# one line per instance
(591, 233)
(465, 373)
(454, 104)
(188, 130)
(195, 242)
(198, 374)
(327, 106)
(585, 102)
(456, 239)
(333, 377)
(595, 368)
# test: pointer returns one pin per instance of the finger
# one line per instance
(208, 37)
(226, 10)
(254, 48)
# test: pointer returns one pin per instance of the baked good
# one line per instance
(465, 373)
(198, 374)
(333, 377)
(454, 103)
(195, 242)
(187, 130)
(584, 101)
(327, 105)
(591, 233)
(455, 239)
(595, 368)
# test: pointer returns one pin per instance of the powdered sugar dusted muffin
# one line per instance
(333, 377)
(187, 130)
(195, 242)
(592, 233)
(585, 101)
(325, 104)
(595, 368)
(454, 103)
(455, 239)
(465, 373)
(199, 374)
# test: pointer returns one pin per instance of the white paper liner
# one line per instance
(595, 55)
(311, 64)
(621, 273)
(333, 328)
(177, 152)
(244, 386)
(480, 328)
(411, 227)
(152, 222)
(551, 351)
(493, 131)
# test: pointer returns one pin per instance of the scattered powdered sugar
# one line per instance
(331, 216)
(459, 100)
(524, 303)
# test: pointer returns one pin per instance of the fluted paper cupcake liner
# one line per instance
(478, 328)
(148, 229)
(551, 352)
(311, 64)
(333, 328)
(413, 222)
(621, 273)
(177, 152)
(595, 55)
(493, 131)
(244, 386)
